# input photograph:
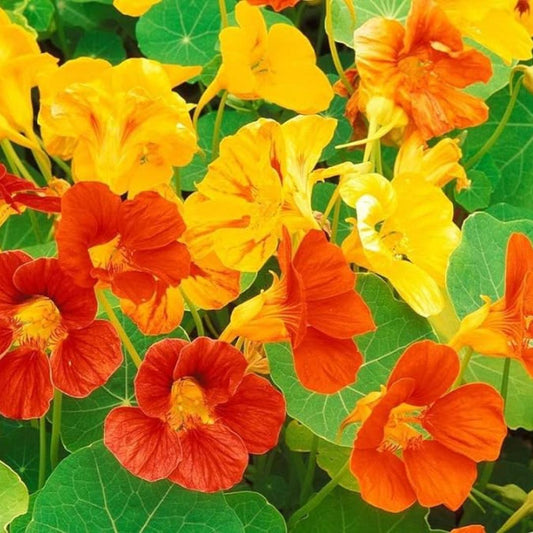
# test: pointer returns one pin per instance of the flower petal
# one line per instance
(170, 263)
(139, 287)
(9, 294)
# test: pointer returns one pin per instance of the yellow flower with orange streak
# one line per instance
(502, 26)
(21, 66)
(278, 65)
(121, 125)
(134, 8)
(263, 178)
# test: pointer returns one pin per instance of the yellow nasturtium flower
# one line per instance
(121, 125)
(262, 179)
(21, 65)
(134, 8)
(278, 65)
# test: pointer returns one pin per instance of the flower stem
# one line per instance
(42, 451)
(522, 512)
(487, 499)
(307, 485)
(40, 156)
(56, 428)
(336, 215)
(14, 160)
(195, 316)
(333, 48)
(317, 498)
(499, 129)
(218, 123)
(464, 365)
(135, 357)
(505, 378)
(223, 13)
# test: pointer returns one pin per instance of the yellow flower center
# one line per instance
(110, 256)
(188, 405)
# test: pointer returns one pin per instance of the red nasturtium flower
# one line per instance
(43, 312)
(469, 529)
(315, 306)
(199, 416)
(396, 463)
(128, 245)
(277, 5)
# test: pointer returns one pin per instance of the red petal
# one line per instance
(171, 263)
(46, 204)
(88, 218)
(44, 276)
(323, 267)
(149, 222)
(469, 420)
(86, 359)
(519, 261)
(433, 366)
(6, 338)
(214, 458)
(324, 364)
(9, 294)
(217, 366)
(438, 475)
(255, 412)
(25, 386)
(382, 479)
(138, 287)
(146, 446)
(154, 379)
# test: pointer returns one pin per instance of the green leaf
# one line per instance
(508, 212)
(83, 418)
(256, 514)
(343, 21)
(184, 32)
(477, 196)
(397, 327)
(91, 491)
(101, 44)
(20, 523)
(87, 15)
(343, 131)
(346, 511)
(13, 495)
(39, 14)
(513, 152)
(22, 231)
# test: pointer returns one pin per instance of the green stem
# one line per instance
(223, 13)
(487, 499)
(42, 451)
(299, 13)
(307, 485)
(505, 378)
(210, 326)
(218, 124)
(195, 316)
(135, 357)
(318, 497)
(378, 165)
(14, 160)
(521, 513)
(464, 365)
(333, 48)
(56, 428)
(336, 215)
(498, 131)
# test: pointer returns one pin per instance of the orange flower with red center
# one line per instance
(505, 328)
(129, 245)
(420, 69)
(418, 442)
(44, 313)
(315, 306)
(199, 416)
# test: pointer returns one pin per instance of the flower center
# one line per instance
(522, 6)
(110, 256)
(188, 405)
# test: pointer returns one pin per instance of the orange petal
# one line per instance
(519, 261)
(9, 294)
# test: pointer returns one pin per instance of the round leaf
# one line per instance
(13, 495)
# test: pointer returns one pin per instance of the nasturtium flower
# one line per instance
(419, 442)
(522, 10)
(504, 328)
(314, 305)
(134, 8)
(469, 529)
(278, 65)
(130, 246)
(262, 179)
(21, 66)
(277, 5)
(121, 125)
(419, 69)
(404, 231)
(48, 337)
(501, 26)
(199, 416)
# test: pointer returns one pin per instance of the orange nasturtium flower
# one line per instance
(502, 26)
(134, 8)
(504, 328)
(122, 125)
(469, 529)
(398, 463)
(43, 312)
(314, 305)
(419, 70)
(199, 416)
(130, 246)
(21, 66)
(278, 65)
(262, 179)
(277, 5)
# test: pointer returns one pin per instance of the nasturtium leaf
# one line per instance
(506, 212)
(22, 231)
(48, 249)
(20, 523)
(14, 496)
(83, 418)
(256, 514)
(477, 196)
(184, 32)
(397, 327)
(513, 151)
(87, 15)
(101, 44)
(477, 267)
(343, 131)
(342, 510)
(91, 491)
(39, 14)
(344, 21)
